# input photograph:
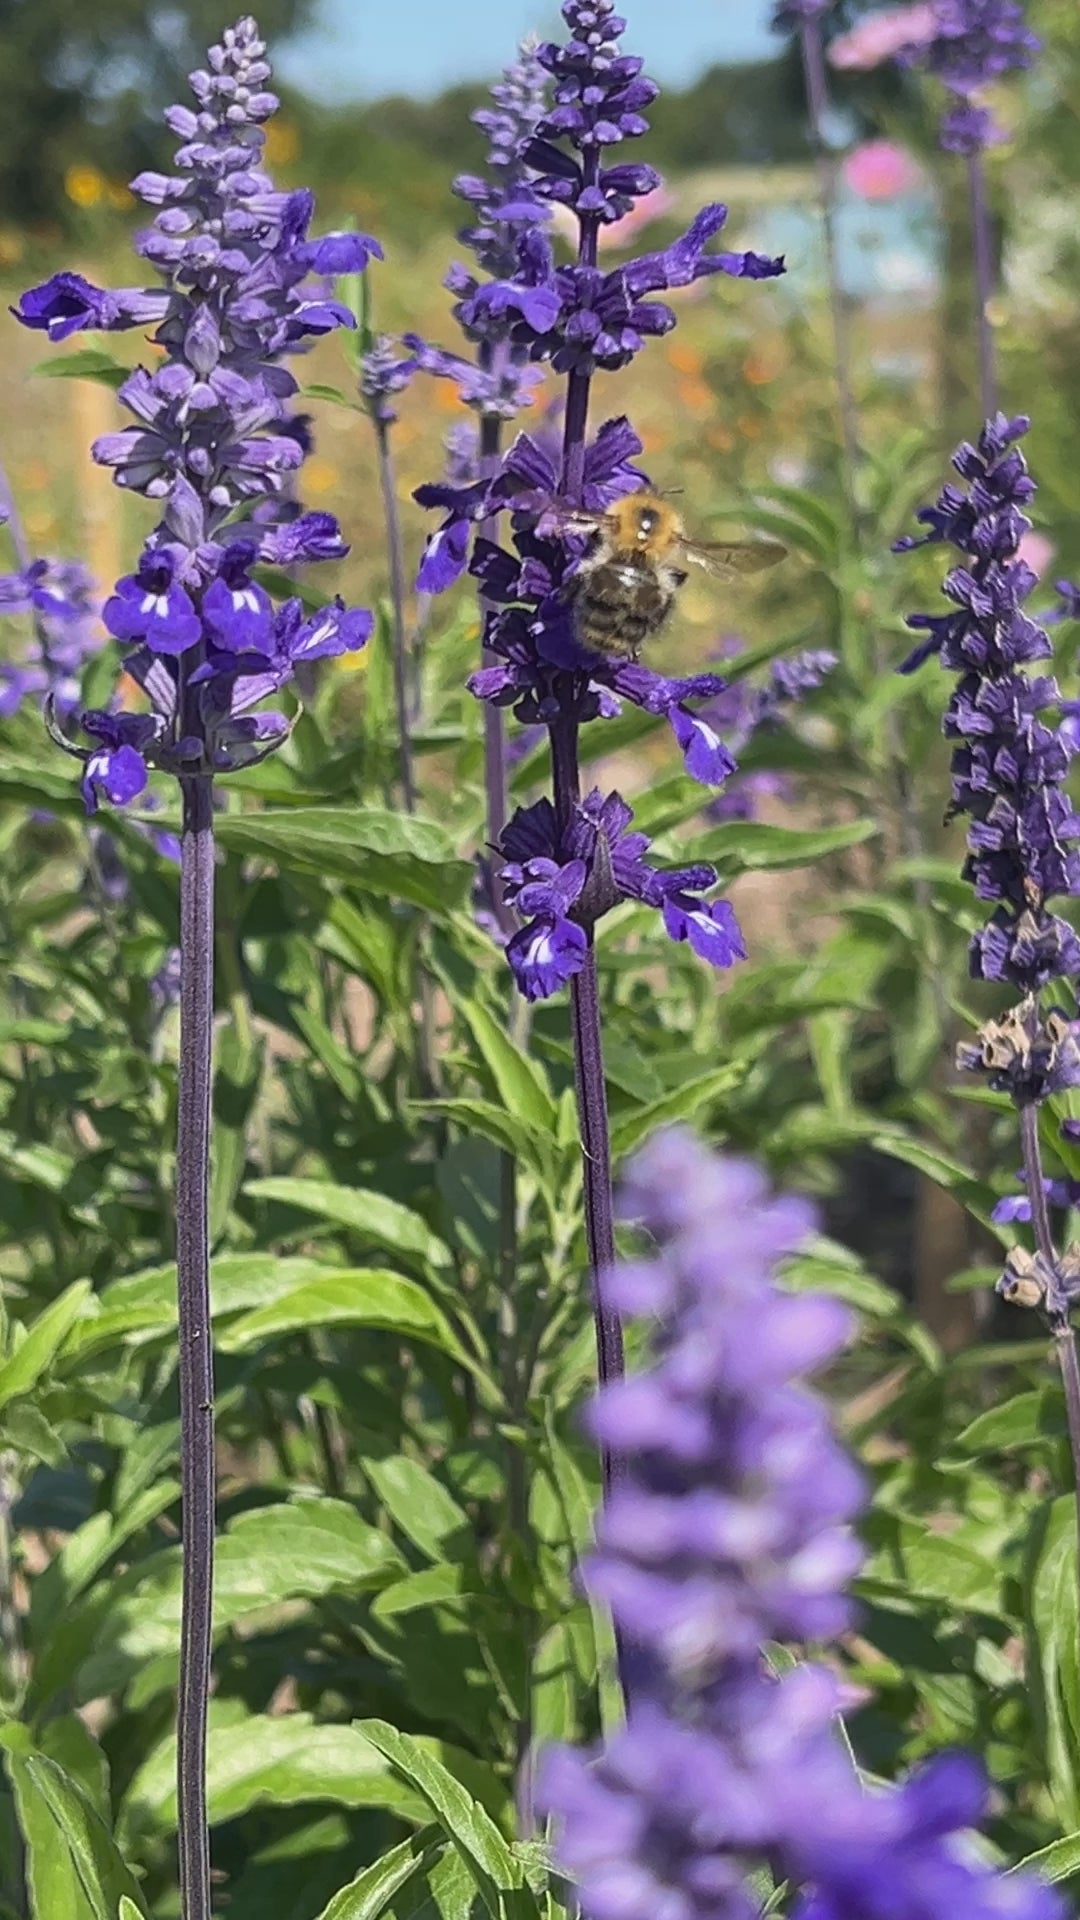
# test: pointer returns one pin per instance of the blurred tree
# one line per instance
(84, 85)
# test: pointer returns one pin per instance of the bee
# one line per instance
(628, 581)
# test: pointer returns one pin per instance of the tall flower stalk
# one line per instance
(213, 446)
(972, 43)
(1009, 768)
(571, 859)
(806, 15)
(494, 378)
(731, 1532)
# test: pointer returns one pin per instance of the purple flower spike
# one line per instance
(1009, 766)
(215, 441)
(729, 1528)
(973, 43)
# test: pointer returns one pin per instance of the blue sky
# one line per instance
(362, 48)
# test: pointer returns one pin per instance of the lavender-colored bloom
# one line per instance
(59, 597)
(581, 319)
(973, 43)
(214, 440)
(560, 884)
(730, 1527)
(1069, 608)
(495, 381)
(1014, 1209)
(1009, 765)
(383, 375)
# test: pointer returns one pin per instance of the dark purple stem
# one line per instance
(495, 782)
(392, 520)
(1064, 1337)
(984, 283)
(196, 1360)
(817, 100)
(591, 1096)
(584, 987)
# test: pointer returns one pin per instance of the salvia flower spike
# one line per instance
(1009, 768)
(731, 1531)
(214, 445)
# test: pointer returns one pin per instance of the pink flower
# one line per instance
(1036, 551)
(881, 35)
(879, 170)
(649, 208)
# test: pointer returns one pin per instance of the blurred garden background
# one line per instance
(736, 408)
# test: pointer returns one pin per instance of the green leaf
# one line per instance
(383, 853)
(32, 783)
(1052, 1668)
(1059, 1861)
(87, 363)
(935, 1567)
(680, 1104)
(283, 1760)
(355, 1297)
(366, 1897)
(375, 1219)
(749, 846)
(421, 1507)
(501, 1128)
(487, 1855)
(1022, 1421)
(74, 1868)
(519, 1081)
(143, 1305)
(268, 1555)
(21, 1373)
(237, 1074)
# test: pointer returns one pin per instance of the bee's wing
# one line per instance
(727, 559)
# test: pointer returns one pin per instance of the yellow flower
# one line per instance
(85, 186)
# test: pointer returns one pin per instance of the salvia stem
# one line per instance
(196, 1366)
(591, 1095)
(984, 282)
(428, 1055)
(396, 558)
(1064, 1336)
(495, 783)
(817, 101)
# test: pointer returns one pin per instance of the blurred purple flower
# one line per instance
(59, 597)
(973, 43)
(728, 1528)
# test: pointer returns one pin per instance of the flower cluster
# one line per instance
(743, 709)
(213, 441)
(729, 1528)
(560, 883)
(496, 380)
(58, 597)
(973, 43)
(1009, 765)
